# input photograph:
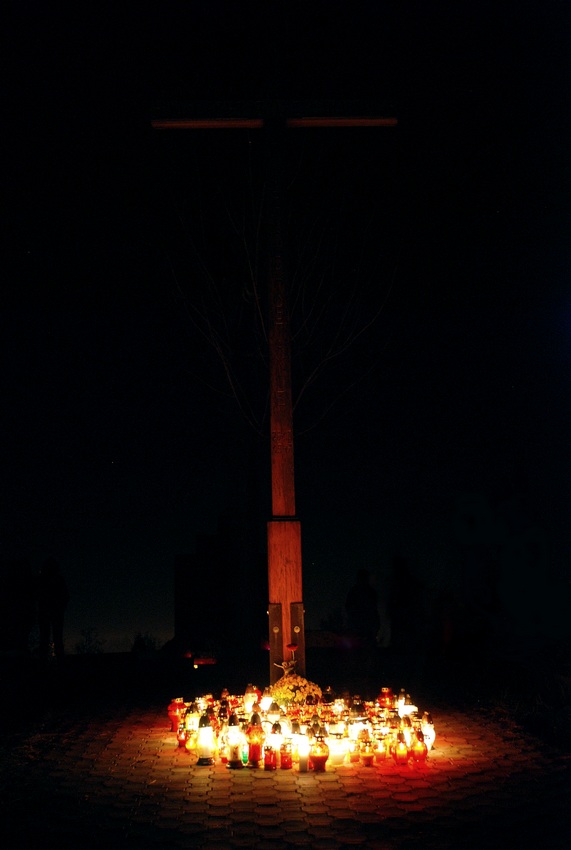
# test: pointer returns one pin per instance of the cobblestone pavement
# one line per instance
(110, 776)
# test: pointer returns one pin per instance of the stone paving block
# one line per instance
(219, 822)
(326, 842)
(392, 778)
(302, 838)
(269, 843)
(419, 781)
(268, 795)
(294, 824)
(352, 840)
(319, 819)
(336, 792)
(313, 807)
(265, 820)
(345, 814)
(290, 808)
(404, 796)
(288, 792)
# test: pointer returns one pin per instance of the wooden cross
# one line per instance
(285, 590)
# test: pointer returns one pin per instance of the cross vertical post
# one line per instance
(286, 614)
(284, 529)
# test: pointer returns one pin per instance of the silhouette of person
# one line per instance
(407, 607)
(17, 606)
(362, 609)
(53, 597)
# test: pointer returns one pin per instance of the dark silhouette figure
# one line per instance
(406, 607)
(53, 597)
(362, 609)
(17, 606)
(363, 624)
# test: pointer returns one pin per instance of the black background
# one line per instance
(439, 438)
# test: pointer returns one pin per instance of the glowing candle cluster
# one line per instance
(253, 730)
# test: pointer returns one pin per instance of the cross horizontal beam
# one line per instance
(206, 123)
(341, 121)
(258, 123)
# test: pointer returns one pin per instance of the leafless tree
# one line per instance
(342, 246)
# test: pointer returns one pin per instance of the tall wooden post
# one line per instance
(285, 607)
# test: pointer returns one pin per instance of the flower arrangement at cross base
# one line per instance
(294, 690)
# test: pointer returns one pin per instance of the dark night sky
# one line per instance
(447, 439)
